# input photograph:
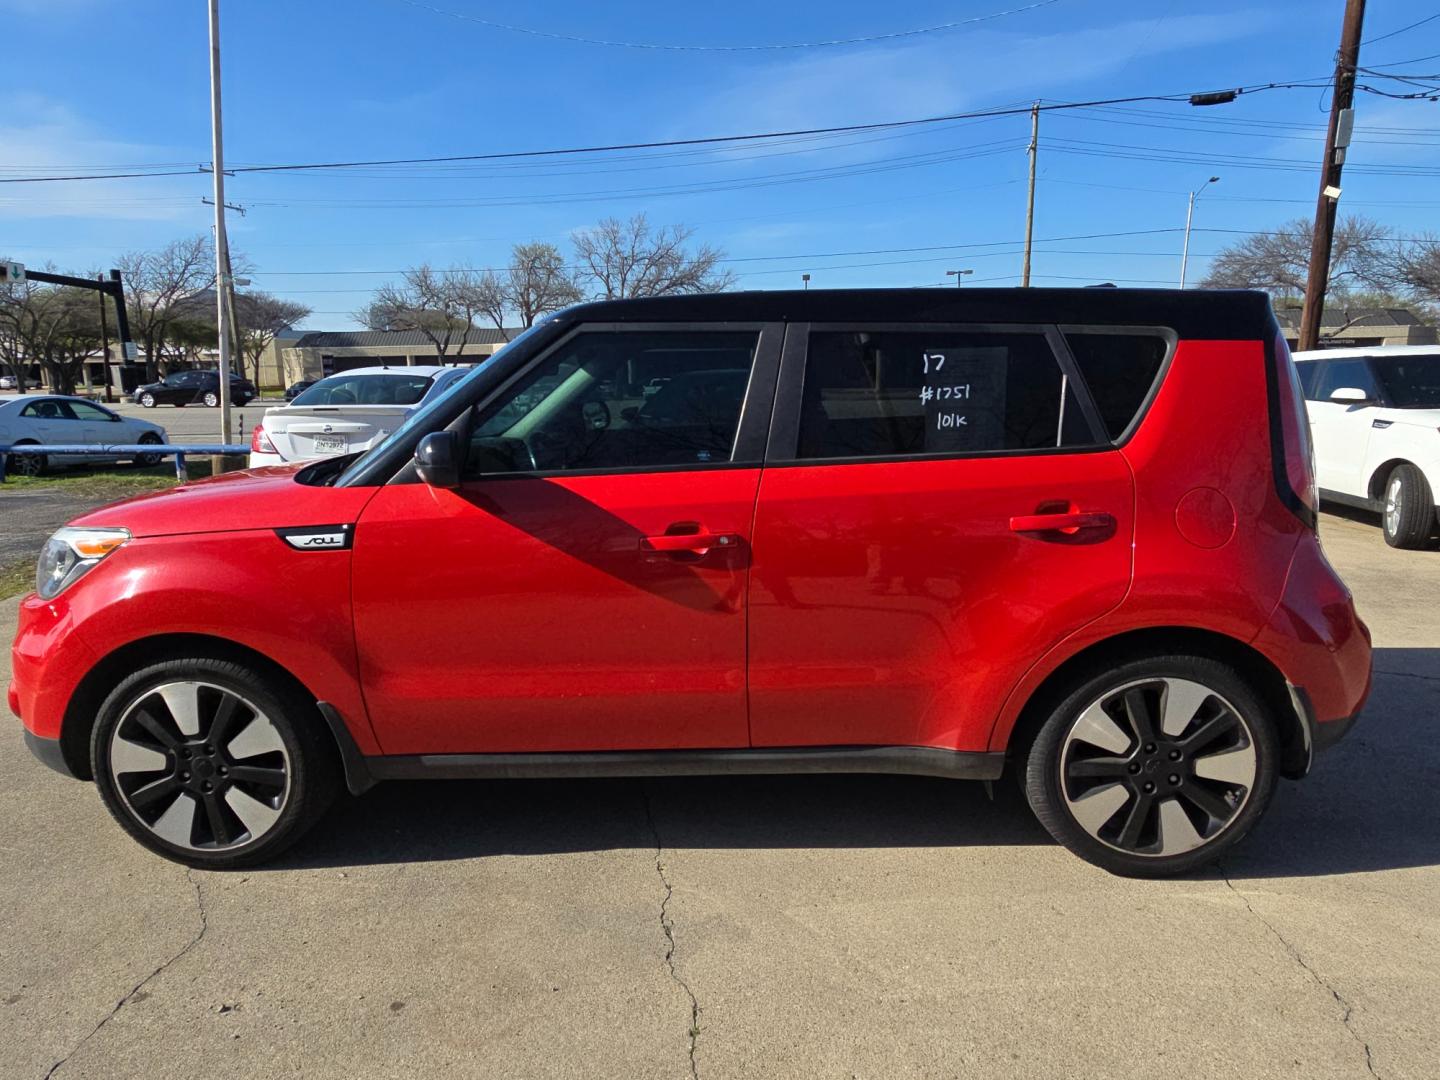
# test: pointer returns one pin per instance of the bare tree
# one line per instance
(259, 317)
(633, 259)
(438, 304)
(163, 288)
(1418, 268)
(56, 327)
(1278, 261)
(539, 282)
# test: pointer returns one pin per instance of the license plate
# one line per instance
(330, 444)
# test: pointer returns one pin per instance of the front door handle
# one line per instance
(697, 543)
(1068, 523)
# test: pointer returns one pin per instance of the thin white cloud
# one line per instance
(39, 136)
(949, 74)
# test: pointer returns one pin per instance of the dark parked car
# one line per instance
(294, 390)
(193, 388)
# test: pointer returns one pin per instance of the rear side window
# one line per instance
(884, 394)
(1120, 370)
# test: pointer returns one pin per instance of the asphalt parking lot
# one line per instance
(806, 927)
(197, 424)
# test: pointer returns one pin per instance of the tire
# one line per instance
(147, 401)
(26, 464)
(1407, 512)
(1167, 793)
(146, 461)
(211, 399)
(179, 794)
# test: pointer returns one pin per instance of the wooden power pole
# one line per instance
(1033, 151)
(1337, 138)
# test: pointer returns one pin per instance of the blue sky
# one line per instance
(100, 83)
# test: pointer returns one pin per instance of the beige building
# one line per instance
(1361, 327)
(317, 354)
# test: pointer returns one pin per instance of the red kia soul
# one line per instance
(1067, 533)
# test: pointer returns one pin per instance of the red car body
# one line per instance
(866, 604)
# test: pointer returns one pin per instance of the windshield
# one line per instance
(372, 389)
(1410, 382)
(423, 414)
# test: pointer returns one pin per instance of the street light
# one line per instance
(958, 275)
(1189, 216)
(806, 279)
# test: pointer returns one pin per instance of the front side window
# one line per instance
(883, 394)
(1353, 373)
(373, 389)
(620, 400)
(83, 410)
(1411, 382)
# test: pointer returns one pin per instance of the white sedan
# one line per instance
(348, 412)
(50, 419)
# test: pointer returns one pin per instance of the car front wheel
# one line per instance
(1408, 514)
(210, 764)
(147, 401)
(1156, 767)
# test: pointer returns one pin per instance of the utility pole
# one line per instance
(104, 342)
(1034, 152)
(1337, 138)
(222, 247)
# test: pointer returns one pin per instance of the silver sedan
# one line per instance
(52, 419)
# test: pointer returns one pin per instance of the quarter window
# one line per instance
(622, 400)
(884, 394)
(1119, 369)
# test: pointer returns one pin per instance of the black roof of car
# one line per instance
(1192, 313)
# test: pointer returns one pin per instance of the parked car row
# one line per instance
(1066, 534)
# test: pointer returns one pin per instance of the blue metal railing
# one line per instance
(122, 450)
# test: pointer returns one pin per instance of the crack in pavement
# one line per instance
(667, 927)
(129, 996)
(1348, 1009)
(1408, 675)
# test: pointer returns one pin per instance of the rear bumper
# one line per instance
(49, 752)
(1322, 647)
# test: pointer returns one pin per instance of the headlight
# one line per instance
(69, 555)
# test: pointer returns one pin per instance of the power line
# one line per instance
(710, 140)
(1394, 33)
(667, 47)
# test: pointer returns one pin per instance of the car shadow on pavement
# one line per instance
(1371, 803)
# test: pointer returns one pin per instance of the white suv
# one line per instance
(1375, 417)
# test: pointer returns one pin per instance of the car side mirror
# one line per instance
(437, 459)
(1349, 395)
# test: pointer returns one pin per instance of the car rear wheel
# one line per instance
(211, 399)
(1156, 767)
(26, 464)
(147, 460)
(1408, 514)
(147, 400)
(210, 764)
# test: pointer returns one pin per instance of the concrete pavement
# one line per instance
(804, 926)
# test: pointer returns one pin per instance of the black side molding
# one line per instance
(909, 760)
(48, 751)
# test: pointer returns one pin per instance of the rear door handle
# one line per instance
(1069, 523)
(697, 542)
